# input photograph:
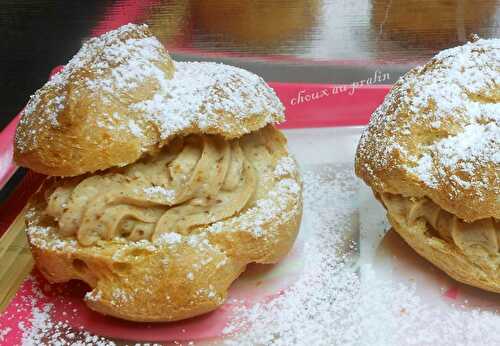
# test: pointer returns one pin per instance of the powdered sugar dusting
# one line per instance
(335, 302)
(134, 128)
(279, 207)
(167, 194)
(108, 66)
(312, 310)
(481, 142)
(43, 331)
(4, 332)
(286, 165)
(424, 170)
(94, 295)
(201, 94)
(33, 315)
(128, 72)
(44, 238)
(395, 314)
(169, 238)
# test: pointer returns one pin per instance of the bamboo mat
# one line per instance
(16, 261)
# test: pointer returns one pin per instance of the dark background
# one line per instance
(35, 37)
(329, 41)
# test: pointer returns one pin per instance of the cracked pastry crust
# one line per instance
(166, 179)
(433, 148)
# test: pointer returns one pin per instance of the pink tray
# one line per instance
(307, 106)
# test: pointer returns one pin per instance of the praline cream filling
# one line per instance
(484, 233)
(196, 181)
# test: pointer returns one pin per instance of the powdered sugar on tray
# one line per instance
(337, 303)
(44, 332)
(40, 328)
(333, 302)
(441, 122)
(313, 310)
(394, 314)
(4, 332)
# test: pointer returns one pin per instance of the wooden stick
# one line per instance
(16, 261)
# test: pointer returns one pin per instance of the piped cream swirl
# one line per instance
(484, 233)
(196, 181)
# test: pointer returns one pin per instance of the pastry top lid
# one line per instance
(122, 96)
(437, 134)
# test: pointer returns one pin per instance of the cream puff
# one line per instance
(431, 154)
(166, 179)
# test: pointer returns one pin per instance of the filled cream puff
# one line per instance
(431, 155)
(166, 179)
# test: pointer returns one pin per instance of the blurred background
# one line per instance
(320, 41)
